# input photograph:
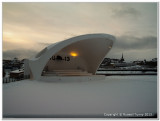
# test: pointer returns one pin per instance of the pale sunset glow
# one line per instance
(30, 27)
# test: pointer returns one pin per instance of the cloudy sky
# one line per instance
(29, 27)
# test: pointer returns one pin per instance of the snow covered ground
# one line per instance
(119, 95)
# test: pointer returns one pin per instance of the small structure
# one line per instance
(17, 73)
(122, 59)
(77, 56)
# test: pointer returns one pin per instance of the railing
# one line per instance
(147, 69)
(112, 72)
(8, 80)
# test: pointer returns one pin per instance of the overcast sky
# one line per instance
(29, 27)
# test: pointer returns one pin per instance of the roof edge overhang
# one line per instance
(38, 62)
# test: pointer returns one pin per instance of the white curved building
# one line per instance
(77, 56)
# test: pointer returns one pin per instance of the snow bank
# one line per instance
(115, 94)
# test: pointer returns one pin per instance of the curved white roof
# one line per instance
(100, 43)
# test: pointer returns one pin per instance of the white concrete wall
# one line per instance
(90, 54)
(73, 64)
(26, 67)
(91, 48)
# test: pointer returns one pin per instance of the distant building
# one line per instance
(113, 63)
(12, 64)
(122, 59)
(139, 62)
(109, 62)
(154, 60)
(115, 60)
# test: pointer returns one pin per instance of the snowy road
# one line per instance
(115, 94)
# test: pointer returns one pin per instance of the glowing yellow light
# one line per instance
(74, 54)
